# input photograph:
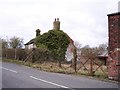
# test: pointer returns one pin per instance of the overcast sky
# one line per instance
(84, 21)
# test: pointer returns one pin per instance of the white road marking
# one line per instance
(9, 69)
(49, 82)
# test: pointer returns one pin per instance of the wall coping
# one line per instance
(117, 13)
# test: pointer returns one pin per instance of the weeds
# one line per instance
(54, 68)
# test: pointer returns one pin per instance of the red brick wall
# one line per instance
(114, 64)
(114, 31)
(114, 46)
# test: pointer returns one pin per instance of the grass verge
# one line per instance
(47, 67)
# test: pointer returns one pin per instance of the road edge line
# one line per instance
(9, 70)
(49, 82)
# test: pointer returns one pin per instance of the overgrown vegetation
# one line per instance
(52, 67)
(56, 41)
(41, 55)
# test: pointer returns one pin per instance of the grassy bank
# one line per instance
(52, 67)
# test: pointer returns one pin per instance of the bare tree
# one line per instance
(4, 44)
(77, 45)
(16, 42)
(102, 48)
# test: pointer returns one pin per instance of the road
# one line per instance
(19, 76)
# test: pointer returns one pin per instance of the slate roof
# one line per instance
(31, 41)
(104, 54)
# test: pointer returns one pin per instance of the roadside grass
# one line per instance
(53, 67)
(100, 74)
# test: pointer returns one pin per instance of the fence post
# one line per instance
(91, 67)
(15, 53)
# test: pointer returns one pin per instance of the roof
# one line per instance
(71, 41)
(116, 13)
(104, 54)
(31, 41)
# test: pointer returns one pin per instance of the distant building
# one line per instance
(103, 57)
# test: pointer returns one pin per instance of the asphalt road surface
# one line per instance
(19, 76)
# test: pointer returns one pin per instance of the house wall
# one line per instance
(69, 52)
(114, 46)
(30, 46)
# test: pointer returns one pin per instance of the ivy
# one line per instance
(56, 41)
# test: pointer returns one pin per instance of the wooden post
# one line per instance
(15, 53)
(91, 67)
(75, 59)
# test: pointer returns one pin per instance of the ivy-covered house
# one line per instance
(56, 26)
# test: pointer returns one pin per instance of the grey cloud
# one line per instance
(84, 20)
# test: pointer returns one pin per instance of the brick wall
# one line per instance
(114, 31)
(114, 65)
(114, 45)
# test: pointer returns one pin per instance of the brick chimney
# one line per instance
(114, 46)
(56, 24)
(38, 32)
